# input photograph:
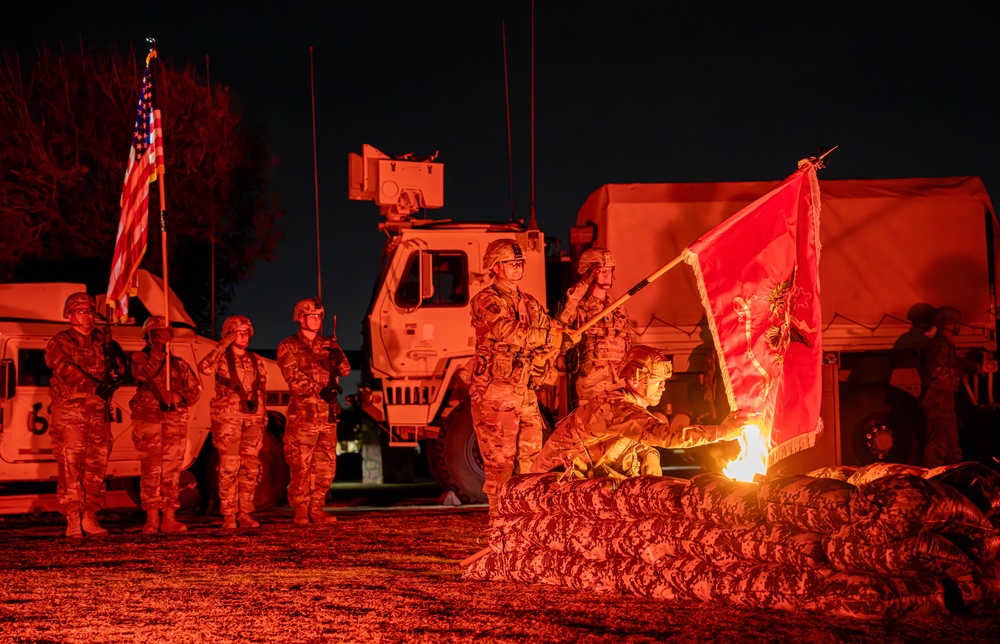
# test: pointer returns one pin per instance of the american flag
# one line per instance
(145, 163)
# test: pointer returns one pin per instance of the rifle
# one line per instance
(334, 382)
(115, 366)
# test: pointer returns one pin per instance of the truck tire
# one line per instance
(274, 474)
(454, 458)
(881, 423)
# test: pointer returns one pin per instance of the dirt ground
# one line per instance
(385, 575)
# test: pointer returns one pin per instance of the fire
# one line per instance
(753, 456)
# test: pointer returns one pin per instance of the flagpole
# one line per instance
(163, 229)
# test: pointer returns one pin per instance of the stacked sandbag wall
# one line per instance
(880, 541)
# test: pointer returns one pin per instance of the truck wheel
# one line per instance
(274, 475)
(454, 458)
(881, 423)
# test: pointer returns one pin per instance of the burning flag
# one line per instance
(145, 164)
(758, 276)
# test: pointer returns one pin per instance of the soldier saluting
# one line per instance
(83, 381)
(239, 419)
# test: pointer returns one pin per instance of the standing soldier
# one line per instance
(943, 372)
(603, 345)
(239, 419)
(160, 424)
(512, 328)
(310, 364)
(614, 435)
(84, 363)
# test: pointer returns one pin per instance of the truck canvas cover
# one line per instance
(890, 248)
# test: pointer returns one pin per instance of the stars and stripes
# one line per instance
(145, 164)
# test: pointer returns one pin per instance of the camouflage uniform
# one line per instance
(80, 432)
(238, 425)
(613, 434)
(511, 328)
(160, 436)
(942, 372)
(603, 345)
(311, 433)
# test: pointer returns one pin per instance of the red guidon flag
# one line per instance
(145, 163)
(758, 276)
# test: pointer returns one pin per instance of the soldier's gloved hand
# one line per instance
(538, 371)
(329, 394)
(565, 341)
(226, 341)
(172, 397)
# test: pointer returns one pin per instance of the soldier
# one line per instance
(239, 419)
(943, 372)
(614, 435)
(512, 329)
(160, 424)
(597, 356)
(86, 368)
(310, 364)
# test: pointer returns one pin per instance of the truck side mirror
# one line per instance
(8, 379)
(426, 276)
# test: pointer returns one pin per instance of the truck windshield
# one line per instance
(449, 271)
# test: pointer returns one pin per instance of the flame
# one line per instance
(753, 456)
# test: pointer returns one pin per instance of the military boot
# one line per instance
(170, 522)
(152, 521)
(302, 515)
(90, 525)
(73, 530)
(229, 522)
(246, 521)
(319, 517)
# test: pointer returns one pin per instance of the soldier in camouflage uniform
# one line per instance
(239, 419)
(512, 330)
(942, 373)
(80, 432)
(603, 345)
(160, 424)
(614, 435)
(310, 363)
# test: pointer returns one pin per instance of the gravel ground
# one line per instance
(374, 576)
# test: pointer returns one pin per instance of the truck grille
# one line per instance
(410, 395)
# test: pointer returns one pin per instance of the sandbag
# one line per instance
(696, 579)
(807, 503)
(590, 498)
(530, 532)
(836, 472)
(980, 589)
(977, 482)
(671, 538)
(901, 506)
(924, 554)
(862, 595)
(783, 544)
(712, 497)
(873, 471)
(774, 586)
(644, 496)
(526, 493)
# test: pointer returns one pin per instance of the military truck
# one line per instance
(30, 314)
(882, 274)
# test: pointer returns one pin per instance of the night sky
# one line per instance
(625, 92)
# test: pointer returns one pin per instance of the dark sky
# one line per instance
(625, 92)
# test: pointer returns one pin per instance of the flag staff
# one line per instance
(312, 89)
(163, 214)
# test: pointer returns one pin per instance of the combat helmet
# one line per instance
(643, 361)
(235, 323)
(595, 257)
(948, 317)
(311, 306)
(501, 250)
(76, 299)
(154, 322)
